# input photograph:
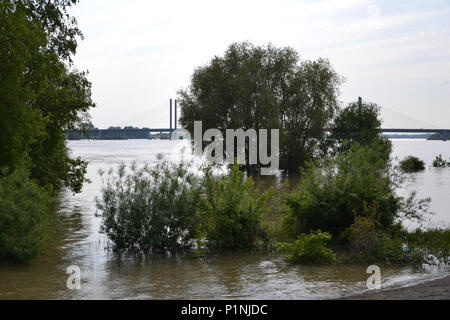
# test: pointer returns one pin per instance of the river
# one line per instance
(106, 275)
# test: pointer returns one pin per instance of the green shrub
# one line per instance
(330, 192)
(24, 211)
(434, 242)
(412, 164)
(440, 162)
(309, 248)
(233, 208)
(152, 209)
(369, 243)
(363, 235)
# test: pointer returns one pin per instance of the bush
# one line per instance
(330, 192)
(412, 164)
(440, 162)
(151, 210)
(433, 243)
(309, 248)
(24, 211)
(233, 209)
(369, 243)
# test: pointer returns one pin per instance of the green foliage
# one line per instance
(309, 248)
(330, 192)
(359, 123)
(412, 164)
(434, 244)
(152, 209)
(41, 95)
(264, 87)
(440, 162)
(370, 243)
(24, 211)
(233, 208)
(363, 234)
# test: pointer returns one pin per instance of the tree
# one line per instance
(41, 95)
(359, 122)
(264, 87)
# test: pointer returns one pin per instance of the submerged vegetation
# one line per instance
(440, 162)
(309, 248)
(412, 164)
(232, 209)
(168, 209)
(150, 209)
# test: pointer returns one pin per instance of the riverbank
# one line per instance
(430, 290)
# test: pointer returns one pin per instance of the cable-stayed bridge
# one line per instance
(408, 124)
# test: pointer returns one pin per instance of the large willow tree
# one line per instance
(265, 87)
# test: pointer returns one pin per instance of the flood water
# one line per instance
(106, 275)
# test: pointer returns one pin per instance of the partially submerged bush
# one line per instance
(309, 248)
(24, 212)
(232, 207)
(330, 192)
(434, 244)
(412, 164)
(152, 209)
(363, 235)
(167, 209)
(369, 243)
(440, 162)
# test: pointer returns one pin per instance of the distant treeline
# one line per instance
(114, 133)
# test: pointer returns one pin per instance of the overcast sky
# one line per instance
(140, 53)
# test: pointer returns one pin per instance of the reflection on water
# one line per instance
(106, 275)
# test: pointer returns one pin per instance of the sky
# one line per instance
(139, 53)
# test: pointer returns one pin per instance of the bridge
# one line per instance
(173, 126)
(445, 133)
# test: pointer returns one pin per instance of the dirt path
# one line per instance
(431, 290)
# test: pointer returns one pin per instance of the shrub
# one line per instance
(309, 248)
(152, 209)
(440, 162)
(24, 211)
(330, 192)
(412, 164)
(433, 243)
(232, 208)
(363, 235)
(369, 243)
